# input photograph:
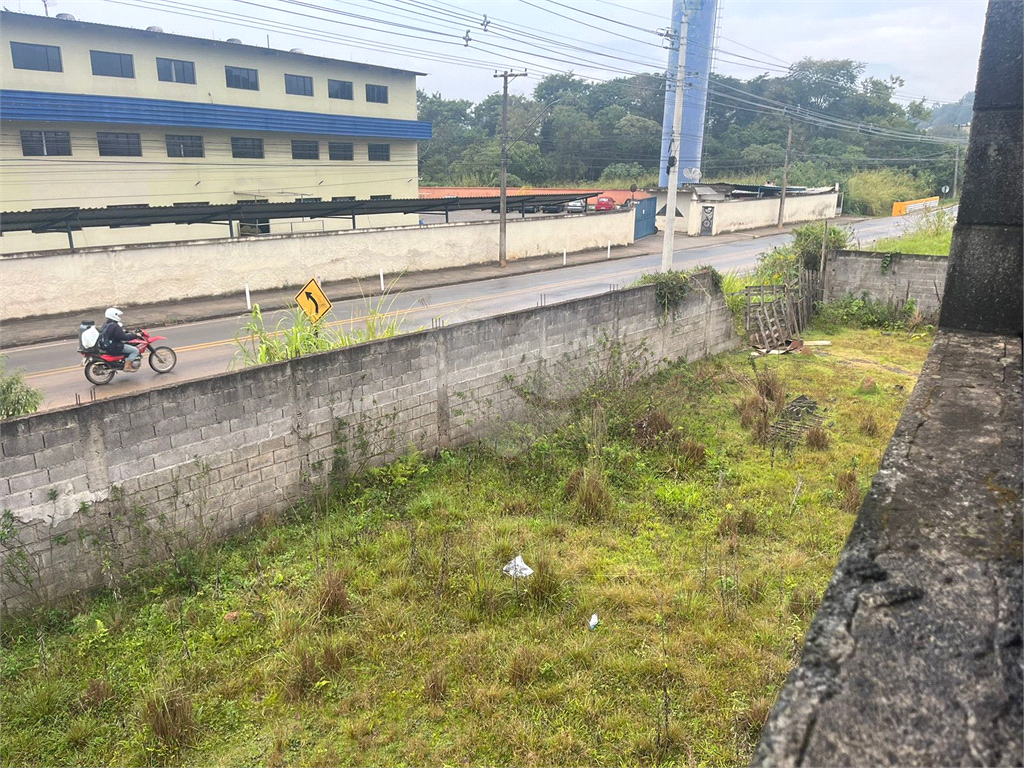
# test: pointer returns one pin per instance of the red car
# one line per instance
(604, 204)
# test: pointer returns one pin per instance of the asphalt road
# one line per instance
(208, 347)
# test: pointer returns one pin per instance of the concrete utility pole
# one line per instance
(785, 176)
(668, 247)
(502, 210)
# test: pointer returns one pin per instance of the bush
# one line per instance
(16, 397)
(866, 312)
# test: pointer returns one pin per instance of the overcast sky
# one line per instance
(932, 44)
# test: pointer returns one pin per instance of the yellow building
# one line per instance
(94, 115)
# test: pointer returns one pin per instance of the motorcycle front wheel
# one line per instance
(98, 372)
(162, 359)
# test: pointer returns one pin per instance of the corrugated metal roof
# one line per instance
(87, 108)
(63, 219)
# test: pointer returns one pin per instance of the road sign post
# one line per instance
(313, 301)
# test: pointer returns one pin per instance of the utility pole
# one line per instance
(668, 246)
(502, 210)
(785, 176)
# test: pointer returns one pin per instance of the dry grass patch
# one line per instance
(818, 439)
(332, 595)
(435, 687)
(869, 427)
(168, 716)
(587, 491)
(652, 428)
(849, 488)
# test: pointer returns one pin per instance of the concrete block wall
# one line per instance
(906, 276)
(122, 480)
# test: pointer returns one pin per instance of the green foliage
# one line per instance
(866, 312)
(384, 621)
(295, 335)
(670, 288)
(931, 234)
(17, 397)
(585, 131)
(782, 263)
(874, 192)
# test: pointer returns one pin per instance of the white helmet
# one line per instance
(113, 314)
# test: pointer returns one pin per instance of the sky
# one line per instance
(932, 44)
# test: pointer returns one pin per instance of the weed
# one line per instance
(818, 439)
(868, 426)
(332, 595)
(691, 453)
(167, 713)
(435, 688)
(545, 585)
(303, 670)
(97, 693)
(849, 489)
(770, 386)
(523, 667)
(587, 490)
(651, 428)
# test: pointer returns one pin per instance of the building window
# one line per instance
(174, 71)
(377, 93)
(246, 79)
(299, 85)
(340, 150)
(308, 199)
(45, 58)
(380, 197)
(379, 152)
(112, 64)
(252, 148)
(38, 143)
(339, 89)
(305, 150)
(184, 146)
(343, 198)
(119, 144)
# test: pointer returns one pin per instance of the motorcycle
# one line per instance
(100, 366)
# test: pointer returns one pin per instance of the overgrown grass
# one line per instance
(929, 234)
(294, 335)
(384, 632)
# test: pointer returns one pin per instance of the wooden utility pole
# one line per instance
(668, 245)
(502, 210)
(785, 176)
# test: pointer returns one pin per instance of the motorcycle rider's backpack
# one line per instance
(88, 337)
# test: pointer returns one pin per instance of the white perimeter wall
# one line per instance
(87, 278)
(734, 216)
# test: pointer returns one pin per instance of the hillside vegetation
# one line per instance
(608, 134)
(374, 626)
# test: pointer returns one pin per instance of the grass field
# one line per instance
(375, 626)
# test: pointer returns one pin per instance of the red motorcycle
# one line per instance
(100, 367)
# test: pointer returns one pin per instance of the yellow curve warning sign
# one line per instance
(313, 301)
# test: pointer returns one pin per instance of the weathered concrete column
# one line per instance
(983, 284)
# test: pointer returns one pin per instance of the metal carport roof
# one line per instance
(71, 218)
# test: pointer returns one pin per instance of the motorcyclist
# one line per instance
(113, 338)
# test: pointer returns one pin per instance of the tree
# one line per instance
(17, 398)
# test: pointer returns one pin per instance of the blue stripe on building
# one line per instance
(87, 108)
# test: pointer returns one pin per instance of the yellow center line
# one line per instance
(364, 318)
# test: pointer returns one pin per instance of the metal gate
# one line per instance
(707, 219)
(643, 224)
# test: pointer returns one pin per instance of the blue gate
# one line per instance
(643, 225)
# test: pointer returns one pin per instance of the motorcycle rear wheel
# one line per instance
(162, 359)
(98, 372)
